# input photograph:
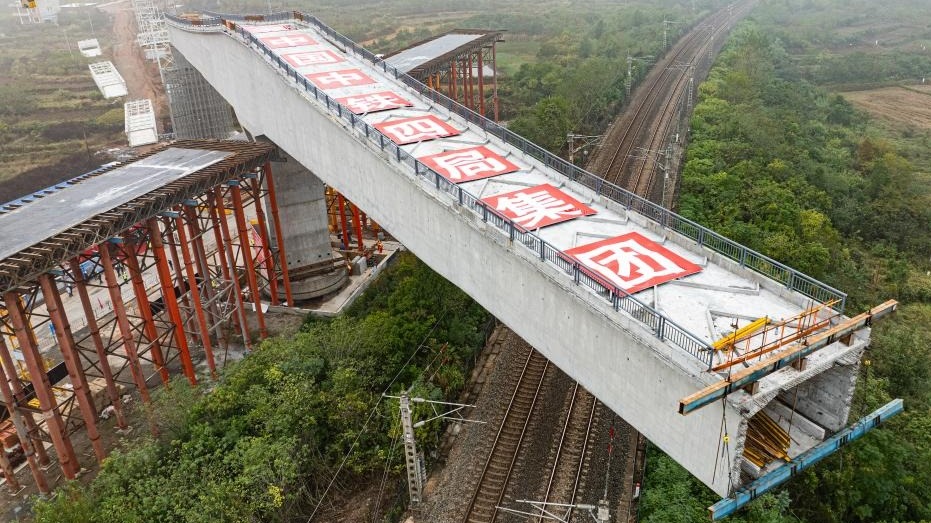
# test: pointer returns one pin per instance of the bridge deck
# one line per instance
(623, 295)
(76, 204)
(703, 294)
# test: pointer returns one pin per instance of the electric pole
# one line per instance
(416, 469)
(666, 32)
(630, 61)
(586, 142)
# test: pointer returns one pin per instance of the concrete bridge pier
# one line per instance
(314, 268)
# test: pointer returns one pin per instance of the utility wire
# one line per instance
(370, 416)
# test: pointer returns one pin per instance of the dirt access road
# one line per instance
(141, 75)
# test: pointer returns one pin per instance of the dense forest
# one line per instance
(793, 171)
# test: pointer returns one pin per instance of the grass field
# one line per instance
(53, 120)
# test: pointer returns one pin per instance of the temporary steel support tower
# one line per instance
(462, 73)
(153, 285)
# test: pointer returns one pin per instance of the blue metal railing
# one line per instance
(662, 326)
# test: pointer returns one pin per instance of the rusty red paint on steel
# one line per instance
(128, 248)
(283, 258)
(240, 215)
(263, 234)
(219, 209)
(122, 322)
(170, 299)
(94, 329)
(22, 427)
(195, 296)
(41, 386)
(59, 318)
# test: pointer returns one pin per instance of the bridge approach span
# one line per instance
(551, 250)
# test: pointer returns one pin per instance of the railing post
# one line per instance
(743, 256)
(542, 249)
(577, 275)
(484, 212)
(459, 187)
(660, 326)
(511, 231)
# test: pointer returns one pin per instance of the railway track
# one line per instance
(629, 155)
(483, 507)
(569, 465)
(645, 125)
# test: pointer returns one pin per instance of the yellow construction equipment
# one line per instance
(729, 340)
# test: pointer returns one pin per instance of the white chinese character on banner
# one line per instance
(530, 209)
(469, 164)
(374, 102)
(288, 41)
(313, 58)
(340, 78)
(632, 265)
(415, 130)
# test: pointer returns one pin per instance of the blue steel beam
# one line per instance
(773, 479)
(796, 352)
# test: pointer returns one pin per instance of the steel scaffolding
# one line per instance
(197, 110)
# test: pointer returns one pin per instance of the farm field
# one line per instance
(908, 106)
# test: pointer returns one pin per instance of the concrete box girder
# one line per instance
(613, 355)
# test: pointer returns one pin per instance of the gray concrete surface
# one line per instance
(612, 354)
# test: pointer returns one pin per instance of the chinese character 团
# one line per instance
(633, 262)
(313, 58)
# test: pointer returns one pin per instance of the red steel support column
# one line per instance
(266, 248)
(42, 387)
(341, 203)
(19, 395)
(145, 309)
(200, 255)
(452, 80)
(471, 104)
(56, 312)
(195, 296)
(122, 322)
(494, 79)
(282, 257)
(215, 216)
(177, 269)
(19, 423)
(94, 329)
(225, 247)
(246, 249)
(171, 301)
(481, 83)
(357, 221)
